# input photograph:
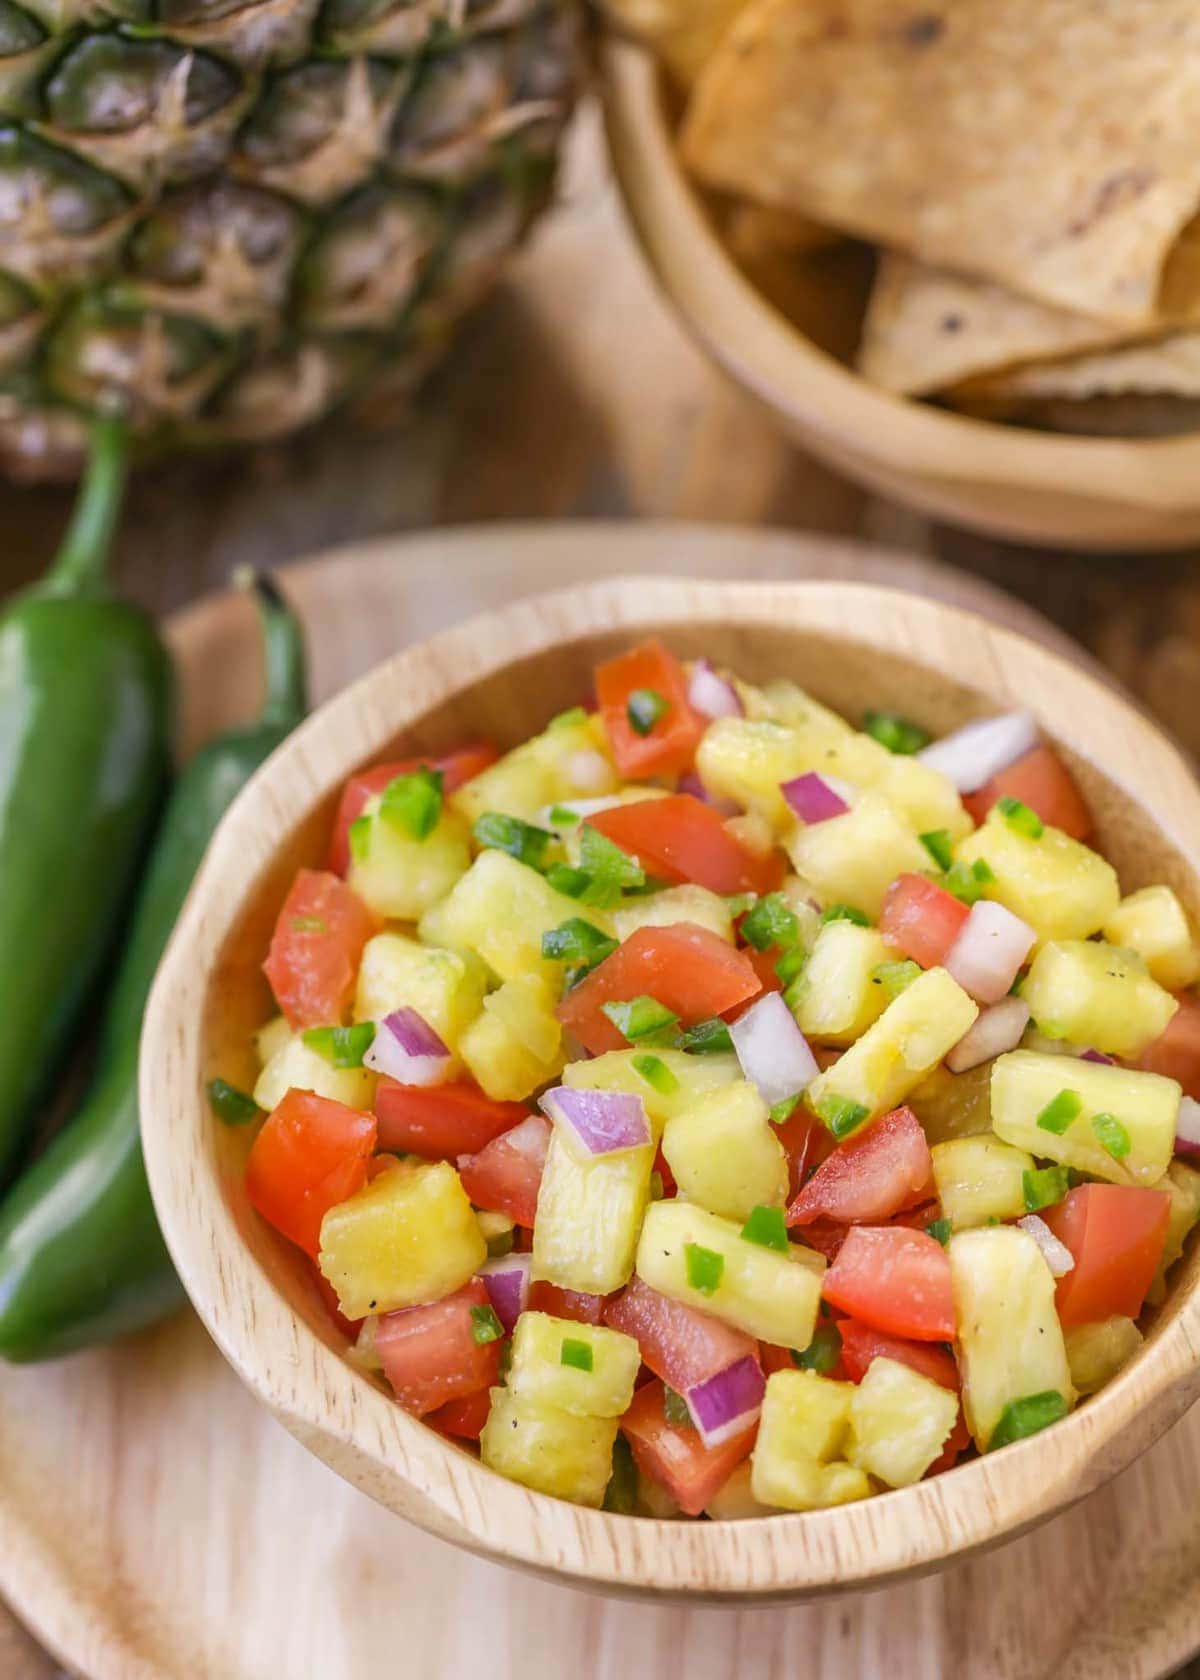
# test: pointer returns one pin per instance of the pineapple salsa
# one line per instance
(709, 1108)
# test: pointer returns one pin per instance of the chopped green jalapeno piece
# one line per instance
(940, 846)
(842, 1115)
(705, 1268)
(561, 817)
(791, 964)
(739, 903)
(414, 802)
(572, 883)
(771, 922)
(577, 1354)
(766, 1227)
(822, 1353)
(706, 1038)
(1060, 1112)
(345, 1047)
(644, 707)
(675, 1409)
(1114, 1138)
(485, 1326)
(1022, 1418)
(360, 838)
(844, 913)
(1021, 818)
(642, 1017)
(609, 870)
(940, 1230)
(1043, 1186)
(896, 977)
(494, 831)
(894, 732)
(967, 881)
(576, 940)
(783, 1109)
(234, 1107)
(656, 1073)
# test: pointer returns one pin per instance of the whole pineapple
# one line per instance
(236, 214)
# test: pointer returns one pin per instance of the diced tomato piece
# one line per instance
(1176, 1053)
(825, 1237)
(669, 746)
(463, 1418)
(957, 1442)
(505, 1176)
(310, 1155)
(894, 1280)
(663, 1169)
(861, 1344)
(763, 964)
(682, 839)
(1115, 1233)
(689, 969)
(871, 1176)
(678, 1458)
(329, 1298)
(522, 1239)
(567, 1303)
(1042, 781)
(457, 767)
(316, 949)
(430, 1355)
(921, 919)
(441, 1121)
(806, 1143)
(679, 1344)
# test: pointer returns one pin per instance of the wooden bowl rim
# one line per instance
(788, 372)
(359, 1430)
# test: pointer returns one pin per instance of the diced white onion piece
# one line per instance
(987, 955)
(816, 798)
(972, 756)
(598, 1122)
(773, 1052)
(994, 1031)
(588, 769)
(507, 1284)
(1056, 1254)
(727, 1404)
(711, 695)
(405, 1047)
(1187, 1128)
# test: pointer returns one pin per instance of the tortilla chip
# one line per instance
(1048, 145)
(683, 33)
(1168, 366)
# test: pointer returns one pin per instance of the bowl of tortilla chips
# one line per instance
(953, 245)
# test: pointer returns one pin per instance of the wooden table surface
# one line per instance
(575, 394)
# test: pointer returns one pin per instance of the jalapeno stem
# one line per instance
(286, 699)
(80, 566)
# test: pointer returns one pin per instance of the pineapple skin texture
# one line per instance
(230, 222)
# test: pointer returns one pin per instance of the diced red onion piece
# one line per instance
(406, 1048)
(994, 1031)
(773, 1052)
(972, 756)
(1187, 1127)
(711, 695)
(598, 1122)
(1056, 1254)
(727, 1404)
(690, 782)
(507, 1284)
(816, 798)
(989, 951)
(1096, 1056)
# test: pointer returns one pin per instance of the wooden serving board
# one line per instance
(157, 1524)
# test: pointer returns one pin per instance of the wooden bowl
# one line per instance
(1016, 482)
(502, 675)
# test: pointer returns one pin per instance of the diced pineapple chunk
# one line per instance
(839, 996)
(570, 760)
(853, 859)
(407, 1237)
(746, 760)
(767, 1294)
(270, 1038)
(801, 901)
(549, 1450)
(734, 1500)
(1182, 1185)
(398, 876)
(980, 1180)
(1093, 993)
(787, 702)
(500, 909)
(899, 1421)
(446, 988)
(1056, 884)
(589, 1215)
(925, 798)
(724, 1154)
(581, 1368)
(1025, 1082)
(1010, 1341)
(294, 1067)
(1153, 923)
(516, 1044)
(1096, 1352)
(895, 1054)
(687, 903)
(954, 1105)
(690, 1078)
(804, 1427)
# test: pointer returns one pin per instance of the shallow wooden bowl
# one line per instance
(1017, 482)
(502, 675)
